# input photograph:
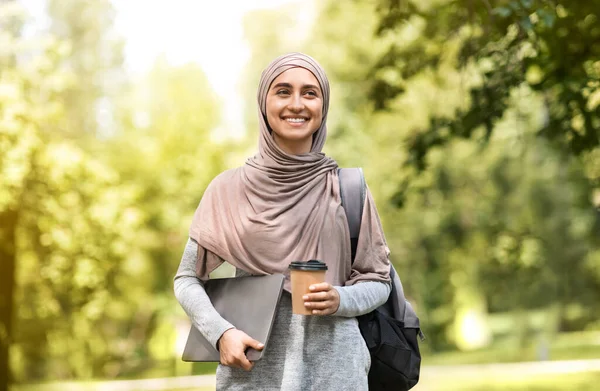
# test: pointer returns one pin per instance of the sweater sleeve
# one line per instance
(362, 298)
(192, 297)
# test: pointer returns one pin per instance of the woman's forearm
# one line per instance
(190, 293)
(362, 298)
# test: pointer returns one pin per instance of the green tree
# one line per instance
(167, 150)
(169, 122)
(497, 228)
(66, 224)
(550, 46)
(18, 142)
(50, 188)
(105, 234)
(94, 237)
(76, 260)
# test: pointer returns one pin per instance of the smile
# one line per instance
(295, 120)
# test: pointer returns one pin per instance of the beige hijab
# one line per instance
(280, 208)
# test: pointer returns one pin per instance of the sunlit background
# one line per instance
(476, 123)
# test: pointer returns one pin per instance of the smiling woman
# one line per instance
(282, 206)
(294, 110)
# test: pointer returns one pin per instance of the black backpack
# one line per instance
(390, 331)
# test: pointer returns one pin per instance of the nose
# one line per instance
(296, 104)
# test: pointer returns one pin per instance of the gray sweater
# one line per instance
(303, 352)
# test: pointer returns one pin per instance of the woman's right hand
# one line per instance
(232, 346)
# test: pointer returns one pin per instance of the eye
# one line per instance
(311, 93)
(282, 91)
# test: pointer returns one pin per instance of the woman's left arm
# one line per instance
(362, 298)
(348, 301)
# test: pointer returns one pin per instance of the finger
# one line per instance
(327, 311)
(244, 363)
(320, 296)
(322, 286)
(252, 343)
(319, 305)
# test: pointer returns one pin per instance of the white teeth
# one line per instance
(295, 119)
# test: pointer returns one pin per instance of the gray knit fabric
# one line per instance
(303, 352)
(193, 298)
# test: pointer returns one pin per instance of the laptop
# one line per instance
(249, 303)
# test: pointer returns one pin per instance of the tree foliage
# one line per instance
(94, 224)
(553, 47)
(73, 223)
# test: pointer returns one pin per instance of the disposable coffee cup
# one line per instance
(303, 275)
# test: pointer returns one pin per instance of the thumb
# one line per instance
(251, 342)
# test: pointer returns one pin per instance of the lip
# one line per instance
(295, 116)
(295, 124)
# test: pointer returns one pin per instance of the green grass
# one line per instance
(566, 346)
(507, 354)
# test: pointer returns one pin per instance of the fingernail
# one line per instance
(305, 297)
(314, 312)
(312, 287)
(260, 345)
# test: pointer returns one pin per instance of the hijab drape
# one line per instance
(280, 208)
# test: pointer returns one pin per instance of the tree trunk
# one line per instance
(8, 223)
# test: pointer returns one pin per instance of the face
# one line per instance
(294, 109)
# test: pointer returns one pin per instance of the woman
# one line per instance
(284, 205)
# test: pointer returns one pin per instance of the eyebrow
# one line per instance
(288, 85)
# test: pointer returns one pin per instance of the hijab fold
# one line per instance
(279, 208)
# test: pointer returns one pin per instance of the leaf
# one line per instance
(502, 11)
(527, 3)
(547, 17)
(525, 22)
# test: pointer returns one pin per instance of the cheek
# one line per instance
(272, 113)
(274, 109)
(318, 115)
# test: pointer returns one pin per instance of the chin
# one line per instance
(296, 136)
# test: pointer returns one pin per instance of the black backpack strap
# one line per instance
(353, 191)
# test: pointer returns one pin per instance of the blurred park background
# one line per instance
(476, 122)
